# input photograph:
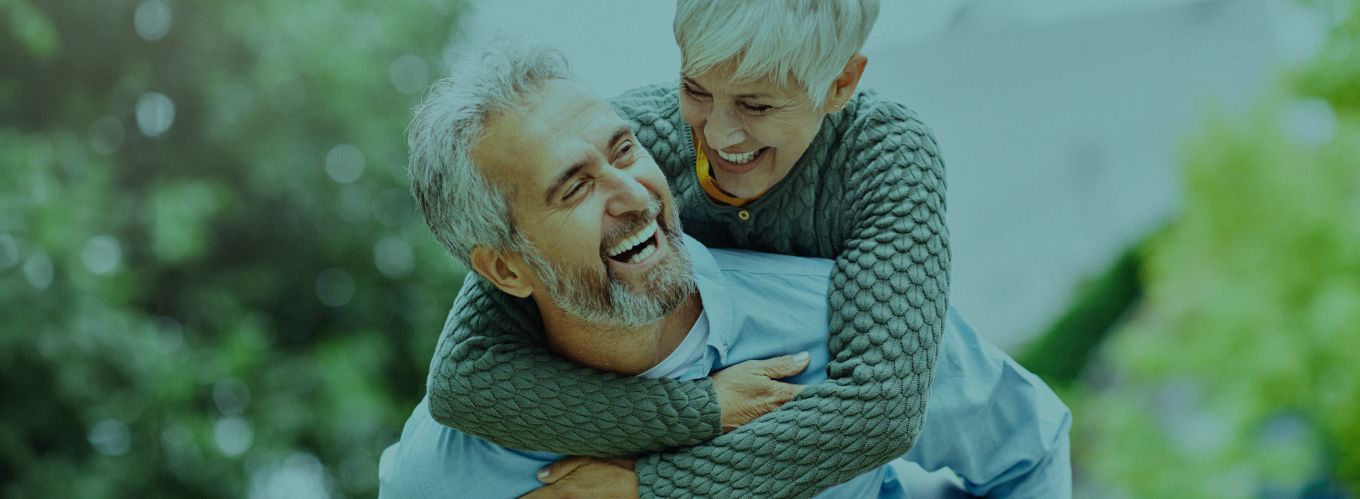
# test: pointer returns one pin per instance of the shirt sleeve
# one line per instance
(432, 461)
(888, 297)
(492, 377)
(996, 425)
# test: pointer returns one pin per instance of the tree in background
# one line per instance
(1239, 376)
(212, 280)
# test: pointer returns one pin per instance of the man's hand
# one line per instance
(748, 390)
(587, 477)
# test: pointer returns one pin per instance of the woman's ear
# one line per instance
(843, 87)
(508, 273)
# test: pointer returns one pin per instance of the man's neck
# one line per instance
(623, 350)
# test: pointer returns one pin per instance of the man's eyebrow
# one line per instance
(563, 178)
(619, 134)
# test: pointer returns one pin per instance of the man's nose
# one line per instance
(629, 195)
(723, 129)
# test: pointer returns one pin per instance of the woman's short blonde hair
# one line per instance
(807, 42)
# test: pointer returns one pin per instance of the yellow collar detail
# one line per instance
(705, 173)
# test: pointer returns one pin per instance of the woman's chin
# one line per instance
(747, 180)
(744, 186)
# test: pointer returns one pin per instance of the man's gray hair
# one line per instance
(462, 207)
(807, 41)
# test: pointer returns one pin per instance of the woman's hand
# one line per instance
(748, 390)
(587, 477)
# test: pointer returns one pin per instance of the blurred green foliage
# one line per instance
(1239, 375)
(1061, 351)
(212, 280)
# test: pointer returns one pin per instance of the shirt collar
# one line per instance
(713, 294)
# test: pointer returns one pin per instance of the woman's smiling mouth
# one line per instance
(737, 164)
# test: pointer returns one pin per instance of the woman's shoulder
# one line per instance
(870, 115)
(880, 135)
(658, 99)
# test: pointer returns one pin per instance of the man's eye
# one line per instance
(576, 188)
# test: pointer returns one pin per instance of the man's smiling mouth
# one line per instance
(637, 246)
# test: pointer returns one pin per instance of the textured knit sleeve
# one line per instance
(888, 298)
(493, 377)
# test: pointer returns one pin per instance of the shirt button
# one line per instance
(744, 215)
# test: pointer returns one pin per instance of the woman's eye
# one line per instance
(692, 92)
(756, 108)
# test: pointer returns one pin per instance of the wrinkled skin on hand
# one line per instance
(748, 390)
(587, 477)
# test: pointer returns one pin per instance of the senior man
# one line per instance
(565, 210)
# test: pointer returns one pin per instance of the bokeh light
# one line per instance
(231, 396)
(334, 287)
(393, 257)
(155, 114)
(110, 437)
(102, 254)
(38, 271)
(234, 435)
(152, 20)
(345, 163)
(299, 476)
(409, 74)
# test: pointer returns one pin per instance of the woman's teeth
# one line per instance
(740, 158)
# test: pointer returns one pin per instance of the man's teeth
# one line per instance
(741, 158)
(641, 235)
(642, 255)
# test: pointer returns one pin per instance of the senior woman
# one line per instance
(767, 146)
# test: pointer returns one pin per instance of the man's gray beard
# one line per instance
(600, 298)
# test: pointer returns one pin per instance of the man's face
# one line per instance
(594, 205)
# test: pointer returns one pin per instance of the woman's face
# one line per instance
(753, 133)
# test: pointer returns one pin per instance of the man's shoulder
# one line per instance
(432, 460)
(739, 261)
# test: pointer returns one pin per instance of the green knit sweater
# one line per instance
(869, 192)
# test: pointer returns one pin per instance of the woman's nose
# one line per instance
(723, 130)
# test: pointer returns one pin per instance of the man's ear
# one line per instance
(843, 87)
(510, 274)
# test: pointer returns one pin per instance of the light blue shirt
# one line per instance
(988, 420)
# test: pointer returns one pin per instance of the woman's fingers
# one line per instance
(748, 390)
(783, 366)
